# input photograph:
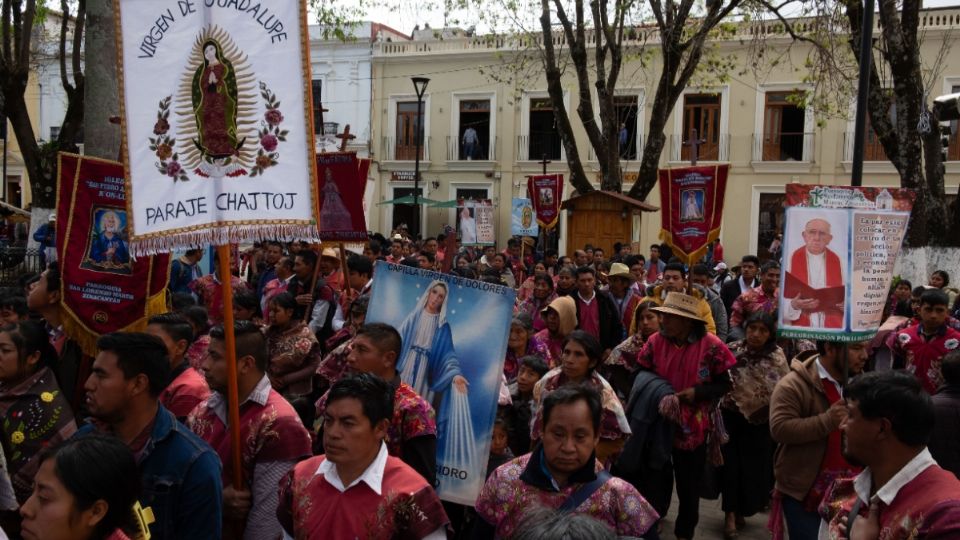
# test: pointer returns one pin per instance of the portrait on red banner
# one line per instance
(107, 250)
(692, 208)
(815, 268)
(545, 192)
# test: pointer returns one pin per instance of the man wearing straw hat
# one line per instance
(696, 365)
(624, 297)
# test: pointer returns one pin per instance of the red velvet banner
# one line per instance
(692, 205)
(342, 180)
(102, 288)
(546, 191)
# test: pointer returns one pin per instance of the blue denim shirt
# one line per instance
(181, 482)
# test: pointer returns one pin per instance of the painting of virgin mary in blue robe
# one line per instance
(453, 340)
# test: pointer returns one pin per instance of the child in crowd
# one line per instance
(920, 347)
(499, 450)
(532, 369)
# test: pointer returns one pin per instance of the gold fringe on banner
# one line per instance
(219, 235)
(86, 338)
(689, 259)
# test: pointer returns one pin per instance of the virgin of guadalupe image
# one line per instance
(428, 363)
(214, 96)
(334, 215)
(108, 248)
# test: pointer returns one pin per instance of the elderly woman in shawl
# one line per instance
(428, 363)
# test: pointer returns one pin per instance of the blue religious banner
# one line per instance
(454, 333)
(523, 220)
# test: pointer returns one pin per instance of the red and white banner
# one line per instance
(103, 288)
(692, 199)
(343, 179)
(545, 192)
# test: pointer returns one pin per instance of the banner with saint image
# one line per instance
(216, 120)
(692, 201)
(454, 334)
(545, 192)
(103, 288)
(840, 244)
(343, 179)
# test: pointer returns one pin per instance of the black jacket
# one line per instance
(651, 439)
(611, 328)
(730, 291)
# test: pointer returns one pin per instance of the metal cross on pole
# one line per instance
(694, 143)
(544, 162)
(345, 137)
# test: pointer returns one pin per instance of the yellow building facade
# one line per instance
(747, 121)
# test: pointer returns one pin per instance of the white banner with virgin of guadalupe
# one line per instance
(216, 120)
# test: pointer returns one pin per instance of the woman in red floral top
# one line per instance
(695, 363)
(294, 354)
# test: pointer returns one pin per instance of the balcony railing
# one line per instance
(481, 151)
(393, 150)
(872, 149)
(535, 147)
(718, 150)
(783, 147)
(633, 151)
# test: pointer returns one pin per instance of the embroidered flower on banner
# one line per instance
(163, 144)
(270, 134)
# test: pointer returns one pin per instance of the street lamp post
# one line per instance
(420, 86)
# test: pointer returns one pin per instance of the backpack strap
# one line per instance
(584, 492)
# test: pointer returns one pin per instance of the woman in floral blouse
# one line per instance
(747, 477)
(581, 355)
(34, 412)
(540, 298)
(294, 354)
(519, 345)
(618, 367)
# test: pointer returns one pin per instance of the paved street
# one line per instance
(711, 523)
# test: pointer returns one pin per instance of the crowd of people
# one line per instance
(627, 381)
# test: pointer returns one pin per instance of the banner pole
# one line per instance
(522, 276)
(230, 339)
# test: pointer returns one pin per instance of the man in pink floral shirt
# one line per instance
(562, 473)
(762, 298)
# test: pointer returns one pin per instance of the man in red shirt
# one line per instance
(412, 435)
(902, 493)
(187, 387)
(358, 490)
(596, 313)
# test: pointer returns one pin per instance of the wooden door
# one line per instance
(701, 112)
(407, 125)
(772, 125)
(598, 221)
